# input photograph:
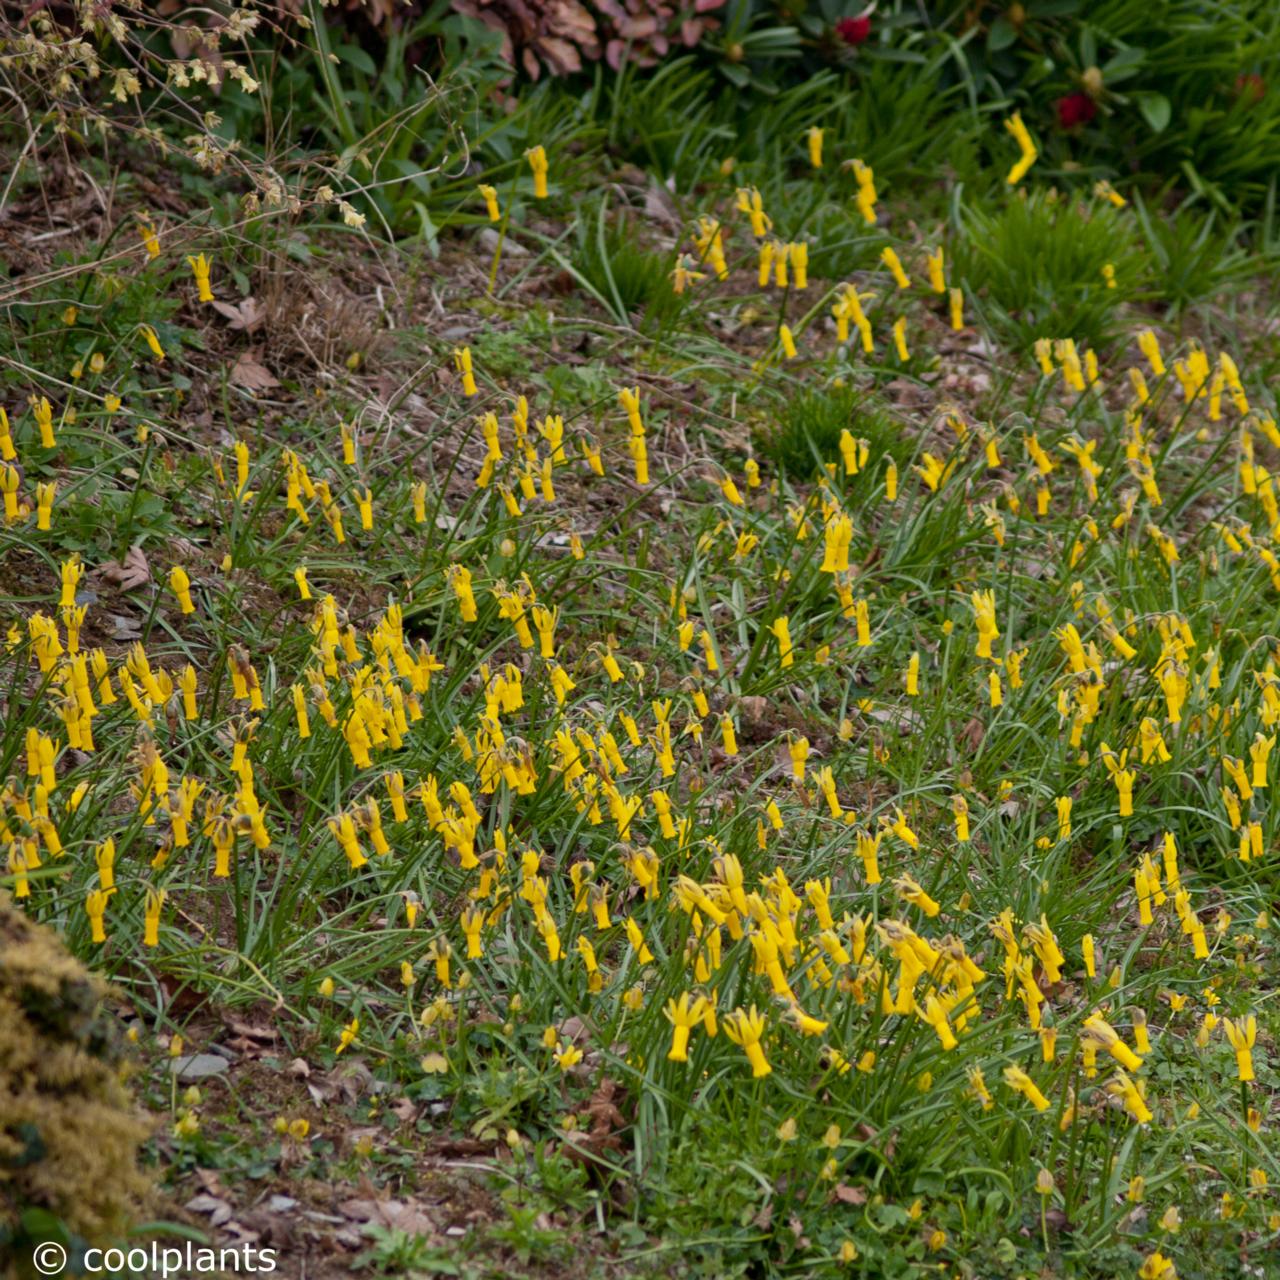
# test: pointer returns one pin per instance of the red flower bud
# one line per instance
(1251, 87)
(1074, 109)
(854, 30)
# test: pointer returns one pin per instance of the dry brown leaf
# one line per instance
(659, 205)
(242, 1028)
(850, 1195)
(970, 737)
(134, 572)
(350, 1079)
(404, 1109)
(397, 1215)
(216, 1210)
(244, 316)
(248, 373)
(210, 1181)
(796, 1227)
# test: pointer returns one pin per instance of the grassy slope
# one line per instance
(450, 1097)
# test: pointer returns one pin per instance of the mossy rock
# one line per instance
(69, 1135)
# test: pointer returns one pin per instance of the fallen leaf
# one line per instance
(606, 1121)
(210, 1181)
(123, 628)
(352, 1079)
(245, 316)
(132, 573)
(398, 1215)
(247, 372)
(457, 1147)
(850, 1195)
(971, 735)
(216, 1210)
(232, 1023)
(659, 205)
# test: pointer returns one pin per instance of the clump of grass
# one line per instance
(806, 436)
(1195, 255)
(632, 282)
(1049, 265)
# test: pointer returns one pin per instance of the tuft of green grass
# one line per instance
(1196, 255)
(805, 438)
(632, 282)
(1038, 266)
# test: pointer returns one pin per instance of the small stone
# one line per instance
(198, 1066)
(488, 237)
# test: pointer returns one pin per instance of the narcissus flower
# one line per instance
(1017, 1079)
(462, 362)
(42, 411)
(1124, 1088)
(746, 1028)
(348, 1036)
(537, 158)
(814, 139)
(44, 503)
(201, 266)
(150, 240)
(683, 1014)
(1157, 1267)
(567, 1056)
(781, 631)
(152, 341)
(1027, 149)
(1242, 1032)
(1098, 1032)
(894, 264)
(180, 584)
